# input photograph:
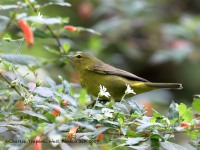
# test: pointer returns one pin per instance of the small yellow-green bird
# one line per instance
(94, 72)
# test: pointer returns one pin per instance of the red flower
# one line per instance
(38, 143)
(28, 33)
(71, 28)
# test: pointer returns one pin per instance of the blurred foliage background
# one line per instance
(157, 40)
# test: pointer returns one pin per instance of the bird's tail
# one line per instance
(177, 86)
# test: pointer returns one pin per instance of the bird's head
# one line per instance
(82, 60)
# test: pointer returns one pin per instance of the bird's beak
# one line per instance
(68, 56)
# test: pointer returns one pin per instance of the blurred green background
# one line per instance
(157, 40)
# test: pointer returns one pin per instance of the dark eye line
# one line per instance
(79, 56)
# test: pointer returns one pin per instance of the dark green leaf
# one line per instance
(31, 113)
(40, 33)
(154, 141)
(50, 117)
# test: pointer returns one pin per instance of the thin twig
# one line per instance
(12, 86)
(49, 28)
(8, 24)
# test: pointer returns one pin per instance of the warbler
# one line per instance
(94, 72)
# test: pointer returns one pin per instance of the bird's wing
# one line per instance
(107, 69)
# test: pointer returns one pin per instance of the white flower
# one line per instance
(129, 90)
(103, 91)
(108, 112)
(39, 15)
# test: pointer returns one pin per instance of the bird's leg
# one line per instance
(96, 102)
(123, 98)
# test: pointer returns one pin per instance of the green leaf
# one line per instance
(2, 116)
(20, 59)
(154, 141)
(153, 120)
(66, 47)
(40, 33)
(171, 146)
(193, 134)
(120, 120)
(196, 104)
(157, 115)
(188, 115)
(31, 113)
(51, 82)
(82, 99)
(48, 21)
(4, 7)
(19, 128)
(50, 117)
(173, 121)
(57, 3)
(53, 51)
(130, 133)
(133, 141)
(124, 130)
(99, 131)
(3, 129)
(44, 91)
(181, 109)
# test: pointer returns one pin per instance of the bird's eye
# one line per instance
(78, 56)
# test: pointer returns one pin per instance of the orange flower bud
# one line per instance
(27, 32)
(185, 124)
(38, 143)
(1, 70)
(65, 102)
(70, 28)
(56, 112)
(20, 105)
(72, 132)
(100, 136)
